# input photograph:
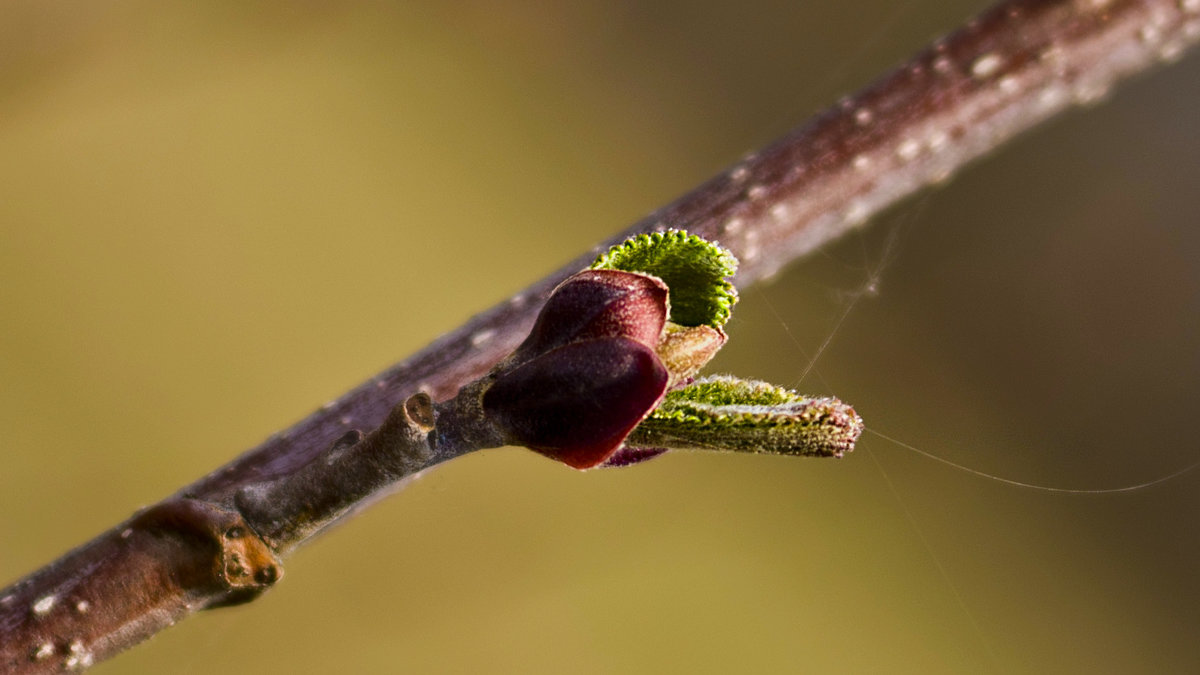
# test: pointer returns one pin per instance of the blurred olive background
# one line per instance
(216, 216)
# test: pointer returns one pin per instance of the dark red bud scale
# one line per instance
(598, 303)
(577, 403)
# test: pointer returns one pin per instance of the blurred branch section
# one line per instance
(1012, 67)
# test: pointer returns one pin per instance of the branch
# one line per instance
(219, 541)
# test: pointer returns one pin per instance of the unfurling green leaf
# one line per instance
(696, 271)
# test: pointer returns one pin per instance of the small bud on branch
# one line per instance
(605, 376)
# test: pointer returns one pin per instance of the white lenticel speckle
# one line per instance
(1086, 93)
(908, 150)
(43, 606)
(857, 213)
(1052, 97)
(79, 657)
(1171, 52)
(750, 250)
(986, 65)
(482, 337)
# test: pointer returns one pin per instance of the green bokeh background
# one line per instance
(216, 216)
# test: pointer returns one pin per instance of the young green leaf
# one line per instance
(696, 270)
(728, 413)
